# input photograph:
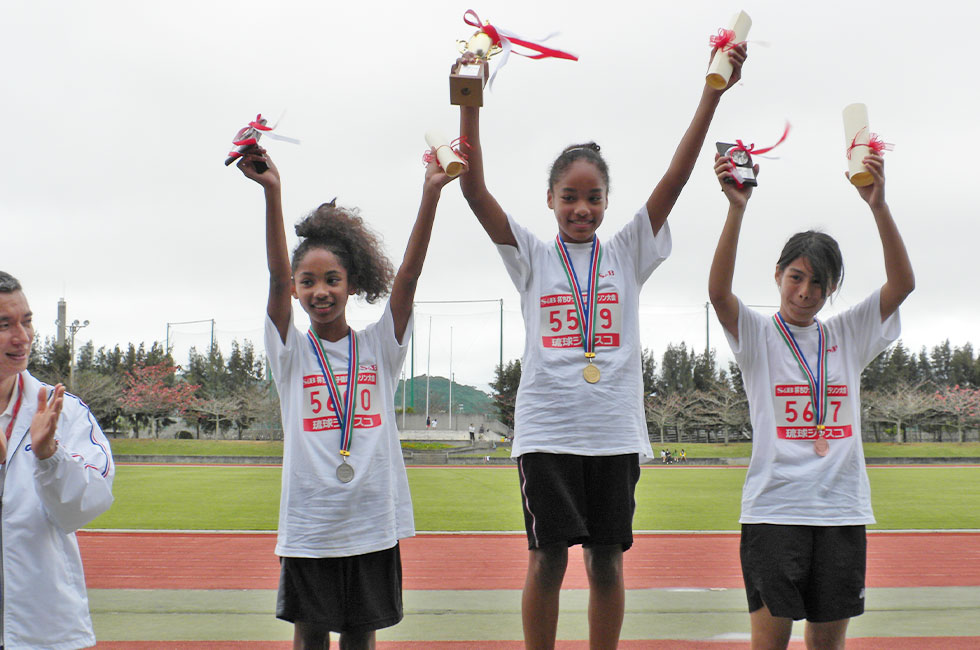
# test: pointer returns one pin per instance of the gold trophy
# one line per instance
(468, 75)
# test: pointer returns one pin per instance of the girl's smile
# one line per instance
(320, 284)
(579, 201)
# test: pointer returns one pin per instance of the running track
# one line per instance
(126, 560)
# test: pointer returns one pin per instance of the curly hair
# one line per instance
(823, 254)
(342, 232)
(589, 152)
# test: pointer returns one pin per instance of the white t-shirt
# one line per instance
(318, 515)
(787, 482)
(557, 411)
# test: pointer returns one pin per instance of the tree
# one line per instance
(649, 366)
(507, 379)
(898, 406)
(676, 370)
(959, 406)
(216, 410)
(720, 407)
(663, 409)
(102, 394)
(49, 361)
(152, 392)
(961, 368)
(942, 357)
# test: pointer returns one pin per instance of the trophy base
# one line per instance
(466, 82)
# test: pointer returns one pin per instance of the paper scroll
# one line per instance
(857, 135)
(448, 160)
(720, 69)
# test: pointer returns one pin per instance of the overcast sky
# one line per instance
(117, 117)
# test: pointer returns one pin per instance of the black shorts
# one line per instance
(811, 572)
(584, 500)
(359, 593)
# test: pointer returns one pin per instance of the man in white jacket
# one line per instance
(56, 476)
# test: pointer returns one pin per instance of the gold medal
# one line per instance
(591, 373)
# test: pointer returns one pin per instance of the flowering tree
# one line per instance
(153, 392)
(960, 406)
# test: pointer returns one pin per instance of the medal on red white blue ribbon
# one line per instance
(817, 381)
(345, 409)
(586, 309)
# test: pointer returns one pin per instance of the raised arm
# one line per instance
(73, 477)
(899, 277)
(723, 263)
(277, 253)
(407, 277)
(491, 216)
(665, 194)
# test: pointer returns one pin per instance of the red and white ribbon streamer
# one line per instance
(752, 151)
(249, 135)
(506, 40)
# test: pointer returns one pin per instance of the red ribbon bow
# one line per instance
(456, 145)
(724, 40)
(875, 144)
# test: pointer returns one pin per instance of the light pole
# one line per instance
(73, 329)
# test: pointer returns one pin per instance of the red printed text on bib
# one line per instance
(794, 413)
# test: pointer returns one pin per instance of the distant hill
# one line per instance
(472, 399)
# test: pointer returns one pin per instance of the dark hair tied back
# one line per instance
(358, 249)
(588, 151)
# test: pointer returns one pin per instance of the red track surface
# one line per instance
(247, 561)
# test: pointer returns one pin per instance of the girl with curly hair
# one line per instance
(345, 499)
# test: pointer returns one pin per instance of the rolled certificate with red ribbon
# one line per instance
(860, 142)
(450, 162)
(720, 70)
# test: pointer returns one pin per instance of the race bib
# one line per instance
(794, 413)
(319, 413)
(560, 323)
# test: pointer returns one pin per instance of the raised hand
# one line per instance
(45, 422)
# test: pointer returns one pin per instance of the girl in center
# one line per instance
(345, 499)
(580, 428)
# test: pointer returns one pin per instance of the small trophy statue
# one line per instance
(469, 75)
(247, 140)
(742, 169)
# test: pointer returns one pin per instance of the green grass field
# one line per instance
(488, 498)
(124, 446)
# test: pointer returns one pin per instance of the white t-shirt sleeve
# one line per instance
(750, 347)
(392, 350)
(647, 250)
(517, 259)
(281, 355)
